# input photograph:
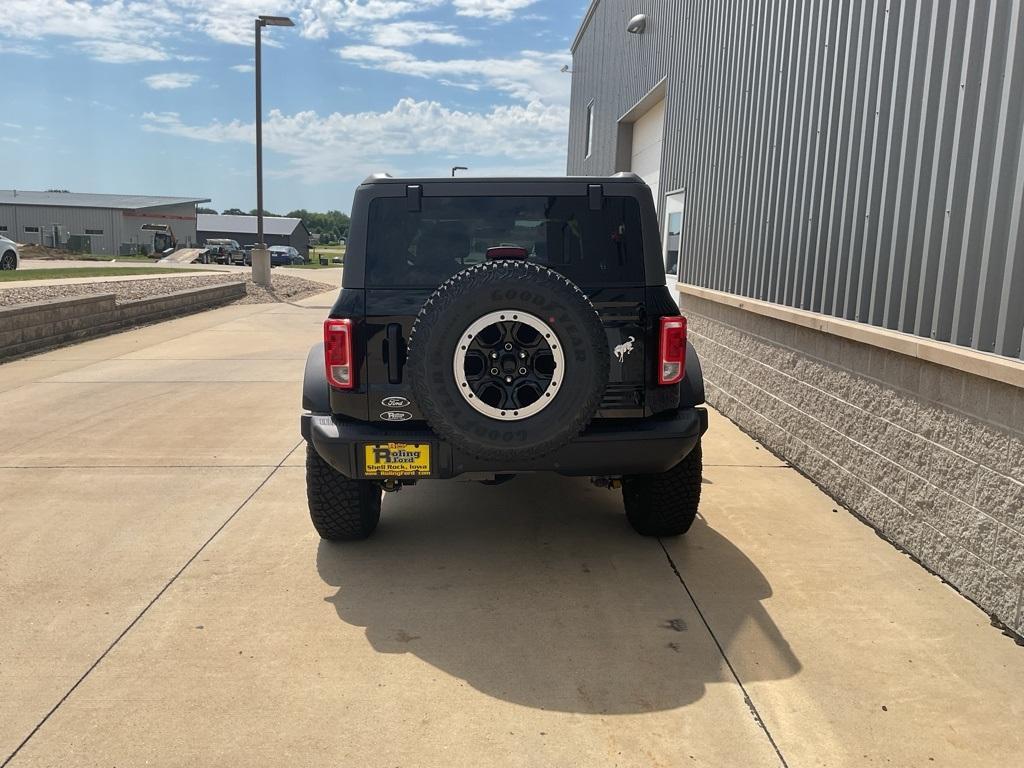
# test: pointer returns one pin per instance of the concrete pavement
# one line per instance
(166, 601)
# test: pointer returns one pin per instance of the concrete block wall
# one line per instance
(27, 328)
(931, 456)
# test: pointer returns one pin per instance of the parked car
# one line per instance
(9, 258)
(224, 251)
(285, 256)
(515, 325)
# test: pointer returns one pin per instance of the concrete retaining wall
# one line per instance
(27, 328)
(931, 456)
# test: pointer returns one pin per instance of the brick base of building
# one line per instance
(930, 456)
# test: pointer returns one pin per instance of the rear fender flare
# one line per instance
(316, 394)
(691, 388)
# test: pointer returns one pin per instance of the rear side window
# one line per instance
(424, 248)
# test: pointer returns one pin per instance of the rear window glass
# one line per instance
(424, 248)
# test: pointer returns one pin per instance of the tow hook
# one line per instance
(392, 486)
(611, 483)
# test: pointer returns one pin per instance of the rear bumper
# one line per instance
(610, 447)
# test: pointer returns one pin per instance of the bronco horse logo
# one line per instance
(624, 349)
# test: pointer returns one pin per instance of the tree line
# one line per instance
(332, 226)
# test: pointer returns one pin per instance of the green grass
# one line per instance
(328, 252)
(100, 257)
(315, 265)
(17, 275)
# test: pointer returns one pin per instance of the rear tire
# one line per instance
(8, 261)
(665, 504)
(342, 509)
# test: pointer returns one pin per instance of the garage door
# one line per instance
(645, 158)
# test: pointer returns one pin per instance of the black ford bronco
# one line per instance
(488, 327)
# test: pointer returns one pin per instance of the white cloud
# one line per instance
(532, 76)
(116, 52)
(24, 49)
(351, 145)
(243, 68)
(170, 81)
(400, 34)
(503, 10)
(101, 26)
(319, 17)
(127, 31)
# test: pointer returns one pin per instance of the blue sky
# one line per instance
(155, 96)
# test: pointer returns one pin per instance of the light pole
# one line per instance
(458, 168)
(260, 254)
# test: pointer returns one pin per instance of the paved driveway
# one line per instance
(164, 600)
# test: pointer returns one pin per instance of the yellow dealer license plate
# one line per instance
(396, 459)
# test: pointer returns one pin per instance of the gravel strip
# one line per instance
(284, 289)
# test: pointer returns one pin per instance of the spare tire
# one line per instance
(508, 360)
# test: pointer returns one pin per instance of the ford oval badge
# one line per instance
(395, 402)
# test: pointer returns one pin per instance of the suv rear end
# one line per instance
(415, 241)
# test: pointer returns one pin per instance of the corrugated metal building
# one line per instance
(112, 224)
(842, 185)
(277, 230)
(859, 159)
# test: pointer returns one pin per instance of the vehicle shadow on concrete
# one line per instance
(537, 592)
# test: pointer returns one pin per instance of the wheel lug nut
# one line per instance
(522, 371)
(494, 355)
(508, 379)
(522, 355)
(494, 371)
(508, 345)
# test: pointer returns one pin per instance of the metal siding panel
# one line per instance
(901, 76)
(865, 216)
(810, 253)
(851, 172)
(698, 182)
(961, 166)
(868, 287)
(1011, 307)
(819, 145)
(990, 313)
(824, 298)
(762, 173)
(721, 118)
(748, 194)
(737, 178)
(916, 221)
(791, 210)
(981, 111)
(936, 218)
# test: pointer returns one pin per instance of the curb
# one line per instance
(29, 328)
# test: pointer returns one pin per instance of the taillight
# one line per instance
(672, 350)
(338, 353)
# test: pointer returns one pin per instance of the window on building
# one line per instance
(590, 129)
(672, 232)
(674, 208)
(94, 231)
(3, 227)
(32, 229)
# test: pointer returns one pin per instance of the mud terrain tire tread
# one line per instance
(464, 286)
(665, 504)
(342, 509)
